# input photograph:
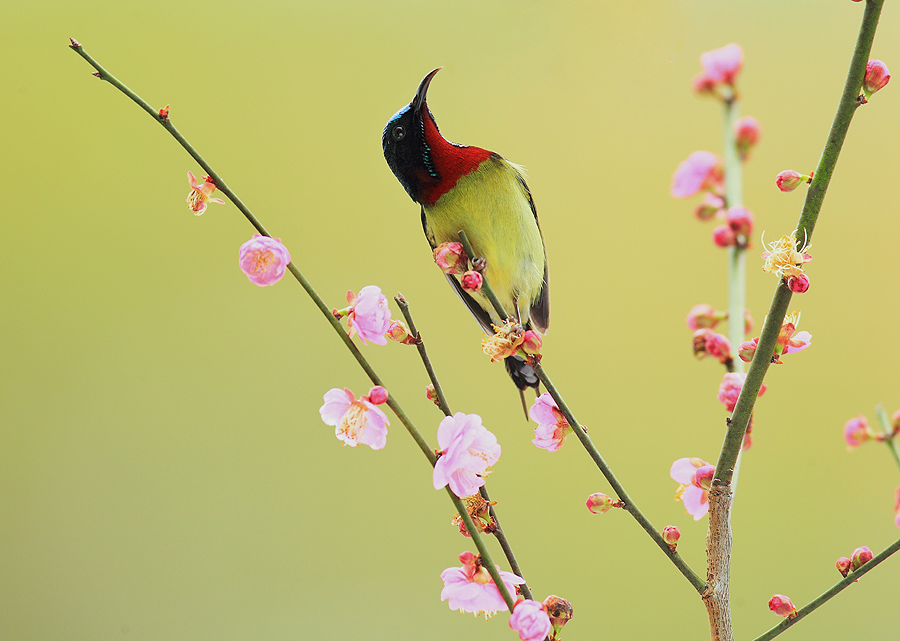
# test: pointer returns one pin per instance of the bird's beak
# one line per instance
(419, 101)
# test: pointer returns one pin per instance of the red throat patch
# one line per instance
(451, 162)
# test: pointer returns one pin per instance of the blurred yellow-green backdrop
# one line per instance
(164, 474)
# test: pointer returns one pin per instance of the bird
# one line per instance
(466, 188)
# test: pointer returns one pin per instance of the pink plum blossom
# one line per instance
(877, 76)
(789, 180)
(263, 259)
(200, 194)
(552, 429)
(369, 315)
(746, 132)
(730, 389)
(470, 588)
(703, 316)
(695, 498)
(782, 606)
(355, 421)
(468, 450)
(702, 170)
(857, 431)
(721, 66)
(530, 620)
(471, 281)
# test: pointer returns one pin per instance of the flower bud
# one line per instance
(670, 535)
(895, 423)
(799, 283)
(748, 349)
(789, 180)
(877, 76)
(843, 565)
(748, 322)
(559, 610)
(746, 131)
(431, 395)
(782, 606)
(703, 316)
(860, 557)
(451, 258)
(600, 503)
(857, 431)
(740, 220)
(723, 236)
(378, 395)
(397, 331)
(531, 342)
(472, 281)
(703, 477)
(703, 84)
(707, 343)
(709, 207)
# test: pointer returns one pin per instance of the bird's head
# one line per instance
(406, 149)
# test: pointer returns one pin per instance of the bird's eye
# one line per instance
(398, 132)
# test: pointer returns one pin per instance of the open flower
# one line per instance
(721, 66)
(692, 474)
(552, 429)
(471, 589)
(369, 315)
(783, 258)
(263, 259)
(355, 420)
(200, 194)
(505, 342)
(468, 450)
(702, 170)
(530, 620)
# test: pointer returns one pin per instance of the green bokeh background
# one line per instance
(163, 470)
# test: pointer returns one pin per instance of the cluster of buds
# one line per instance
(707, 343)
(857, 431)
(480, 511)
(736, 230)
(859, 558)
(789, 341)
(877, 76)
(789, 180)
(720, 70)
(785, 259)
(452, 259)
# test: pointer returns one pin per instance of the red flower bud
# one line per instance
(782, 606)
(531, 342)
(877, 76)
(843, 565)
(860, 557)
(472, 281)
(378, 395)
(789, 180)
(740, 220)
(670, 535)
(799, 283)
(746, 131)
(723, 236)
(451, 258)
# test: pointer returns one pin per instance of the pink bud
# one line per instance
(378, 395)
(860, 557)
(670, 535)
(709, 207)
(397, 331)
(451, 258)
(600, 503)
(707, 343)
(782, 606)
(799, 283)
(740, 220)
(789, 180)
(531, 342)
(723, 236)
(723, 65)
(431, 395)
(877, 76)
(843, 565)
(472, 281)
(748, 349)
(703, 84)
(703, 477)
(703, 316)
(746, 131)
(857, 431)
